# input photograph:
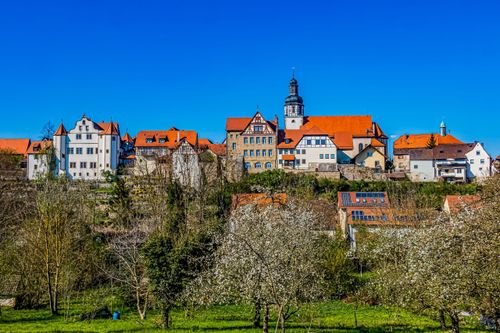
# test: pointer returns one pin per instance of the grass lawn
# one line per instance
(324, 317)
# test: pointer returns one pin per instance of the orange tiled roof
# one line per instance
(239, 124)
(127, 138)
(16, 146)
(456, 203)
(37, 147)
(376, 143)
(358, 126)
(343, 140)
(421, 140)
(110, 128)
(204, 143)
(294, 136)
(61, 130)
(218, 149)
(173, 137)
(259, 199)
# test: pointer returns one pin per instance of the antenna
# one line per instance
(293, 72)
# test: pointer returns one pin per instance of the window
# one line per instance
(281, 151)
(303, 161)
(264, 140)
(162, 140)
(72, 165)
(471, 161)
(285, 151)
(247, 165)
(258, 128)
(269, 165)
(36, 157)
(113, 138)
(79, 136)
(231, 135)
(480, 169)
(84, 122)
(251, 141)
(245, 152)
(257, 152)
(236, 136)
(298, 151)
(332, 156)
(481, 161)
(308, 142)
(79, 128)
(270, 141)
(257, 140)
(377, 164)
(107, 165)
(89, 136)
(107, 151)
(71, 151)
(90, 151)
(303, 151)
(318, 142)
(459, 170)
(258, 165)
(79, 151)
(280, 161)
(360, 147)
(93, 165)
(415, 166)
(298, 162)
(478, 153)
(251, 152)
(270, 152)
(323, 142)
(245, 140)
(83, 165)
(327, 156)
(369, 154)
(263, 152)
(96, 150)
(320, 156)
(234, 145)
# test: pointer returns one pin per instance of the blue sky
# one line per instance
(191, 64)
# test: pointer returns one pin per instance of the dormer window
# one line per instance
(83, 121)
(149, 140)
(258, 128)
(162, 140)
(287, 141)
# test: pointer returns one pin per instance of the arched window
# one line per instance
(247, 165)
(269, 165)
(360, 147)
(258, 165)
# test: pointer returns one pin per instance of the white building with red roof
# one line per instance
(85, 152)
(320, 142)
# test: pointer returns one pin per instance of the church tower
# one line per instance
(294, 106)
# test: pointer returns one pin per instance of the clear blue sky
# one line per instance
(191, 64)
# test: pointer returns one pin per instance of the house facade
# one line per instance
(39, 158)
(253, 139)
(480, 163)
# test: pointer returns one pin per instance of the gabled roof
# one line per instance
(290, 138)
(376, 143)
(39, 146)
(61, 130)
(370, 147)
(204, 143)
(452, 151)
(110, 128)
(16, 146)
(240, 124)
(455, 203)
(172, 138)
(421, 140)
(358, 126)
(127, 138)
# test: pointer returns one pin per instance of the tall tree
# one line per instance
(431, 143)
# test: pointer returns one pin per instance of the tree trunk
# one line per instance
(455, 322)
(165, 316)
(256, 316)
(282, 322)
(442, 319)
(266, 319)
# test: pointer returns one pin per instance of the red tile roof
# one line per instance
(110, 128)
(239, 124)
(421, 140)
(343, 140)
(358, 126)
(218, 149)
(455, 203)
(39, 146)
(127, 138)
(16, 146)
(61, 130)
(173, 137)
(376, 143)
(204, 143)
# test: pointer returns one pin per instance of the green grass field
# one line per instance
(324, 317)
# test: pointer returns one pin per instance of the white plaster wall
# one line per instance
(37, 165)
(476, 169)
(425, 171)
(312, 152)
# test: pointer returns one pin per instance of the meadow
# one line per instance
(334, 316)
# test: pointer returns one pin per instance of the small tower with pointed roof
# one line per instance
(294, 106)
(442, 129)
(60, 147)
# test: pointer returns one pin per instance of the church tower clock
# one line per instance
(294, 107)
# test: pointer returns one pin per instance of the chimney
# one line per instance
(178, 136)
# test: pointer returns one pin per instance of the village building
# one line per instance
(318, 143)
(253, 139)
(406, 143)
(16, 148)
(455, 203)
(127, 150)
(87, 151)
(39, 158)
(479, 162)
